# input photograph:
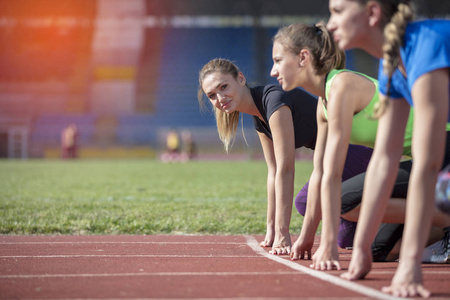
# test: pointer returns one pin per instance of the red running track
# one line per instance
(178, 266)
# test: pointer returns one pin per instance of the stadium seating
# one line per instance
(183, 53)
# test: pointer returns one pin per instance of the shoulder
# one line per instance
(427, 42)
(348, 78)
(272, 88)
(348, 82)
(271, 91)
(426, 35)
(428, 26)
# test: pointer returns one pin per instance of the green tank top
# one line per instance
(364, 128)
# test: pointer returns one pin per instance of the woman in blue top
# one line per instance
(284, 121)
(414, 71)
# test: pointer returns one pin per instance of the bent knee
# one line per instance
(352, 215)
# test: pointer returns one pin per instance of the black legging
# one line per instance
(388, 234)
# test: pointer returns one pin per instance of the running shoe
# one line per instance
(439, 252)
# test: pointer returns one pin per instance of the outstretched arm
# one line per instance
(380, 178)
(350, 93)
(340, 117)
(430, 96)
(282, 127)
(312, 218)
(267, 146)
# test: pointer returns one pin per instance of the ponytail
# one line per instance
(226, 126)
(318, 40)
(329, 55)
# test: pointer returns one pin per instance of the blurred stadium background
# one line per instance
(126, 71)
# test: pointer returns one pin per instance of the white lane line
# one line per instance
(350, 285)
(237, 298)
(148, 274)
(129, 256)
(191, 256)
(112, 242)
(423, 272)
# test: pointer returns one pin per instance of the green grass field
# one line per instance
(139, 196)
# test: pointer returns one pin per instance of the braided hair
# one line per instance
(395, 17)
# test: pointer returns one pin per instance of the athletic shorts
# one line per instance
(357, 160)
(388, 234)
(356, 164)
(352, 189)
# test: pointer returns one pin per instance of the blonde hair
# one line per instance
(227, 123)
(395, 17)
(318, 40)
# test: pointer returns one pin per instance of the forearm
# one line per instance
(271, 206)
(382, 172)
(419, 206)
(331, 207)
(284, 183)
(430, 95)
(313, 209)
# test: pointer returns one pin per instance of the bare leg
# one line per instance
(395, 213)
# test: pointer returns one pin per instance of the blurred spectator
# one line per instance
(69, 137)
(189, 150)
(173, 146)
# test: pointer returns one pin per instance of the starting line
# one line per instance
(254, 245)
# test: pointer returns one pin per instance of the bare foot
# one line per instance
(282, 244)
(407, 281)
(360, 265)
(268, 240)
(299, 248)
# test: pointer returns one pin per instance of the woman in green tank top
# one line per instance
(364, 127)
